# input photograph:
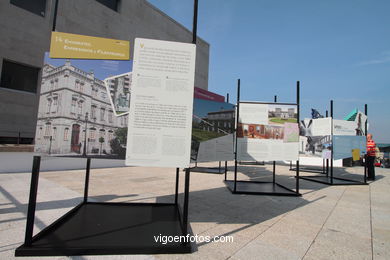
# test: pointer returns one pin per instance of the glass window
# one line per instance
(66, 133)
(112, 4)
(35, 6)
(19, 77)
(54, 133)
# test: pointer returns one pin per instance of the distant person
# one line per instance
(370, 158)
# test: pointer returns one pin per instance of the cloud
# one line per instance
(383, 58)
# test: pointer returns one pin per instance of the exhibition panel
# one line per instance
(265, 132)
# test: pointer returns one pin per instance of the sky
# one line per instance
(338, 50)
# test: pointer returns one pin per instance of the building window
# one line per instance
(54, 105)
(54, 133)
(48, 129)
(110, 116)
(92, 134)
(39, 133)
(77, 84)
(66, 134)
(102, 114)
(112, 4)
(35, 6)
(19, 77)
(56, 83)
(49, 103)
(80, 107)
(93, 112)
(73, 107)
(81, 86)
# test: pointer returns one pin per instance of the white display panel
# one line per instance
(267, 132)
(316, 127)
(160, 116)
(217, 149)
(343, 127)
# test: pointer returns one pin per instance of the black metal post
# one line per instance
(85, 135)
(225, 170)
(331, 136)
(195, 22)
(237, 120)
(298, 116)
(32, 201)
(365, 131)
(185, 206)
(177, 186)
(273, 172)
(327, 167)
(50, 140)
(55, 15)
(274, 163)
(86, 185)
(326, 113)
(219, 167)
(18, 142)
(227, 97)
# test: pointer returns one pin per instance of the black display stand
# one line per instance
(323, 170)
(102, 228)
(260, 187)
(251, 163)
(328, 178)
(214, 170)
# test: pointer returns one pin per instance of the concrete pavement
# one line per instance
(327, 222)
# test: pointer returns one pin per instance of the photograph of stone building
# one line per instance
(119, 88)
(75, 115)
(281, 113)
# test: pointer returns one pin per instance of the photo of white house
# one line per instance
(75, 115)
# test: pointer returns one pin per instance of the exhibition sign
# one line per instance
(267, 132)
(315, 137)
(344, 146)
(160, 115)
(77, 107)
(212, 131)
(75, 46)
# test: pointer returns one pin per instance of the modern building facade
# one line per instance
(25, 29)
(75, 105)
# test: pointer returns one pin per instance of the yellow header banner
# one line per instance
(75, 46)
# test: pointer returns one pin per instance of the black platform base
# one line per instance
(260, 188)
(309, 169)
(251, 163)
(214, 170)
(108, 229)
(328, 181)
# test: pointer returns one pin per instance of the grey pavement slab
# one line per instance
(327, 222)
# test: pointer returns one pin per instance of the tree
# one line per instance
(118, 144)
(101, 141)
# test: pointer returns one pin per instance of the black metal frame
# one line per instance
(33, 245)
(331, 179)
(260, 187)
(214, 170)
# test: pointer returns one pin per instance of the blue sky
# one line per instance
(338, 50)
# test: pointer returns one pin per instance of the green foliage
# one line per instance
(101, 139)
(118, 144)
(279, 120)
(202, 135)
